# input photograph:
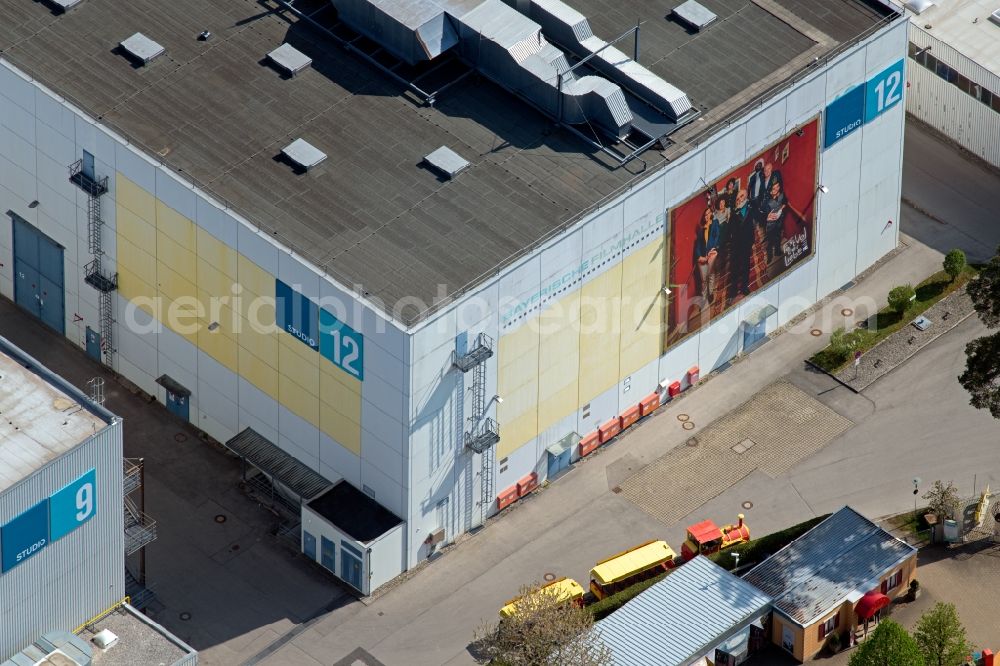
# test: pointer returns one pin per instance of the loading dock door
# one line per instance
(38, 275)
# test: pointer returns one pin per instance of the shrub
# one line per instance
(954, 263)
(833, 643)
(900, 297)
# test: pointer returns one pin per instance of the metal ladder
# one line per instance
(482, 433)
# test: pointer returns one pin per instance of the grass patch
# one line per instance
(888, 321)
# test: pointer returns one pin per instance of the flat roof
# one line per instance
(354, 513)
(39, 420)
(140, 641)
(844, 554)
(373, 215)
(965, 26)
(688, 613)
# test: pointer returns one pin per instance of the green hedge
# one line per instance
(752, 552)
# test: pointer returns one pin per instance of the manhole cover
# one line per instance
(549, 576)
(180, 437)
(747, 505)
(815, 332)
(683, 417)
(847, 312)
(688, 425)
(220, 518)
(185, 616)
(692, 441)
(616, 489)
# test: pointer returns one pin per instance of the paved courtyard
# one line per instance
(771, 432)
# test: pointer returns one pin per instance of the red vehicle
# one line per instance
(705, 538)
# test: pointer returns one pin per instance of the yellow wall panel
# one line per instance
(133, 197)
(642, 307)
(214, 281)
(219, 347)
(342, 429)
(258, 309)
(134, 287)
(600, 337)
(263, 345)
(557, 406)
(177, 227)
(514, 433)
(304, 370)
(291, 343)
(297, 399)
(341, 391)
(141, 233)
(258, 373)
(217, 253)
(183, 261)
(254, 278)
(517, 380)
(137, 261)
(172, 284)
(181, 317)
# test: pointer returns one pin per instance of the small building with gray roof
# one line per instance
(835, 578)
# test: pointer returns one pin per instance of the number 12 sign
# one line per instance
(883, 91)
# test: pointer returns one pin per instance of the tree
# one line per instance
(982, 356)
(545, 629)
(954, 263)
(943, 500)
(982, 373)
(941, 637)
(985, 292)
(900, 297)
(888, 645)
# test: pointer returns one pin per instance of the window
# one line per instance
(996, 103)
(965, 84)
(829, 626)
(945, 72)
(985, 96)
(930, 62)
(892, 581)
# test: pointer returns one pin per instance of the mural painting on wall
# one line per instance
(743, 231)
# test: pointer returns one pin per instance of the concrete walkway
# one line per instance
(577, 520)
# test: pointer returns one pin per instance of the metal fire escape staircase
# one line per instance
(93, 272)
(140, 531)
(483, 432)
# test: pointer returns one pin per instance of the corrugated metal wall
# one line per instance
(946, 107)
(75, 578)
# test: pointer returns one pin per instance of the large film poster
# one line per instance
(741, 232)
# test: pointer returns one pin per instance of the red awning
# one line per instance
(869, 604)
(705, 531)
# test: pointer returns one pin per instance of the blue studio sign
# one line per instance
(51, 519)
(863, 103)
(321, 331)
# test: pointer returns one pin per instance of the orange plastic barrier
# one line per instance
(609, 429)
(507, 497)
(649, 404)
(693, 373)
(589, 443)
(527, 483)
(629, 416)
(674, 389)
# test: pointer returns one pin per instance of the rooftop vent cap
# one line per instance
(447, 162)
(57, 658)
(105, 638)
(995, 16)
(693, 14)
(303, 154)
(141, 48)
(289, 59)
(918, 6)
(66, 5)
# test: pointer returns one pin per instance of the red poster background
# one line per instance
(796, 156)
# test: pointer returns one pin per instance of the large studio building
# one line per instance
(438, 265)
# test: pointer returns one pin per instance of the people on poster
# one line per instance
(742, 228)
(774, 220)
(706, 250)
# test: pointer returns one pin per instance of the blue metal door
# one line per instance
(328, 554)
(179, 406)
(309, 545)
(38, 274)
(558, 461)
(93, 344)
(350, 566)
(88, 165)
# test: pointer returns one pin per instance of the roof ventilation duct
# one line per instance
(412, 30)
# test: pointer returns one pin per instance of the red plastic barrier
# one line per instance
(674, 389)
(507, 497)
(988, 657)
(649, 404)
(629, 416)
(589, 443)
(693, 373)
(609, 429)
(527, 483)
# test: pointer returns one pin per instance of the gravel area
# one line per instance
(881, 359)
(140, 641)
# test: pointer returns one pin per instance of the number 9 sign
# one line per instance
(73, 505)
